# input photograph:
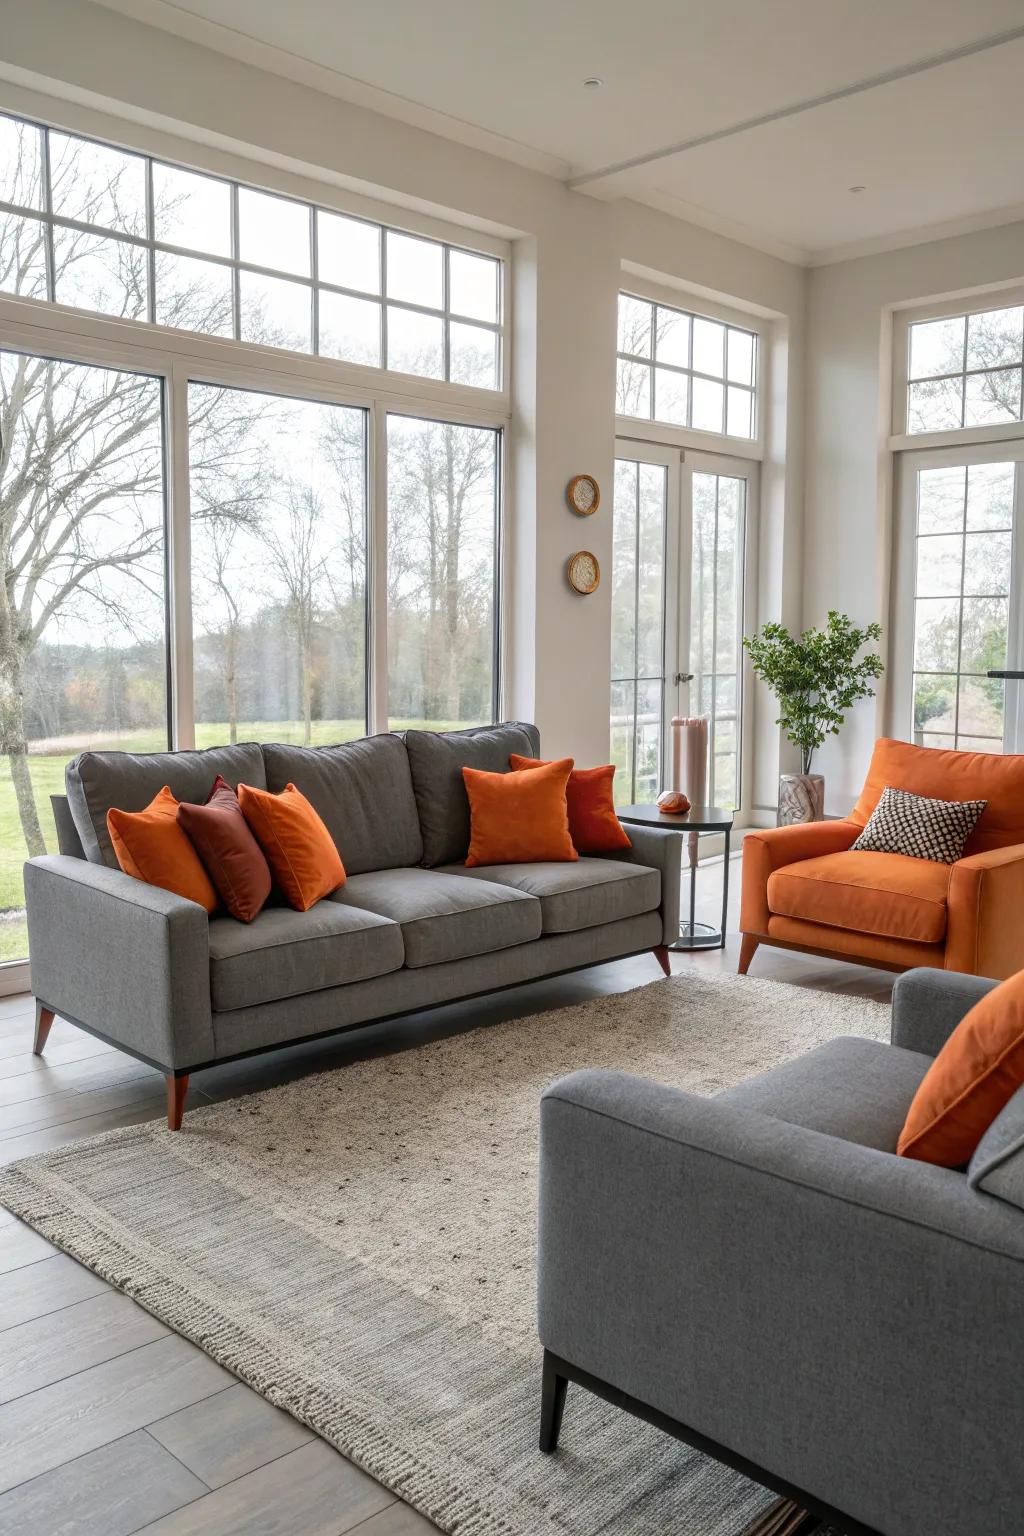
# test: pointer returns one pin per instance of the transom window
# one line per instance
(965, 370)
(685, 370)
(122, 234)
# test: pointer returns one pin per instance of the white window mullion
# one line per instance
(183, 730)
(377, 572)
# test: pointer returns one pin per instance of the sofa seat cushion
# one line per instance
(283, 953)
(857, 1090)
(580, 895)
(444, 916)
(883, 893)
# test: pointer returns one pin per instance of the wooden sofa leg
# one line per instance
(177, 1087)
(44, 1018)
(748, 950)
(661, 955)
(552, 1402)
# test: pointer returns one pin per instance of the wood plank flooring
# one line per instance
(111, 1425)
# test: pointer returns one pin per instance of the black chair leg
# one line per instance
(552, 1402)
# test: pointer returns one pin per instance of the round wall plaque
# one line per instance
(583, 494)
(583, 572)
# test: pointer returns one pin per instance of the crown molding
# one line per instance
(169, 17)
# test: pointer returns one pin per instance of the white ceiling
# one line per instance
(938, 149)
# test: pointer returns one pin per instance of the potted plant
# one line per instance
(817, 677)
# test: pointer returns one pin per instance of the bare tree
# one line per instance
(297, 557)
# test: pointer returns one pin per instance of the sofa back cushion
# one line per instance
(942, 774)
(997, 1166)
(98, 782)
(362, 792)
(437, 759)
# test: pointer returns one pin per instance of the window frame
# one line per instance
(695, 305)
(903, 318)
(902, 617)
(314, 197)
(177, 357)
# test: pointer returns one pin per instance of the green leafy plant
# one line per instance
(817, 676)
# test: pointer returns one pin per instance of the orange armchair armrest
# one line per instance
(985, 913)
(771, 848)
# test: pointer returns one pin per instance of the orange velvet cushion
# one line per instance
(297, 845)
(976, 1073)
(520, 817)
(152, 847)
(882, 893)
(942, 774)
(593, 824)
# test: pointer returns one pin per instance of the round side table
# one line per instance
(700, 820)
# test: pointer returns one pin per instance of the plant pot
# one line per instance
(801, 798)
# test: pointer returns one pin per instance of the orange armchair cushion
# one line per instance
(947, 775)
(878, 893)
(770, 848)
(971, 1080)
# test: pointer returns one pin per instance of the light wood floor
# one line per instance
(112, 1425)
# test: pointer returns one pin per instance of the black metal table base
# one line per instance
(697, 821)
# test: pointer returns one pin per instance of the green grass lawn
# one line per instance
(48, 779)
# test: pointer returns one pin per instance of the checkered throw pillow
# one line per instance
(919, 827)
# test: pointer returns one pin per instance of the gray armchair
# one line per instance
(761, 1276)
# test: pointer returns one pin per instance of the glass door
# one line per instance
(717, 496)
(679, 597)
(960, 595)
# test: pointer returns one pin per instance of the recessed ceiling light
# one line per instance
(593, 83)
(860, 187)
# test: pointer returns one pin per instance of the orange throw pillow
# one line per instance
(519, 818)
(151, 846)
(973, 1077)
(297, 845)
(593, 824)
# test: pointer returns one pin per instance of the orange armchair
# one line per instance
(806, 888)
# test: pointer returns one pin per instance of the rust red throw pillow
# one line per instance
(593, 824)
(231, 856)
(298, 847)
(519, 818)
(150, 846)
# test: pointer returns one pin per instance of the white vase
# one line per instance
(801, 798)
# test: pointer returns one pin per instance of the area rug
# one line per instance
(359, 1247)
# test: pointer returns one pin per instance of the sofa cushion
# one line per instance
(436, 761)
(857, 1090)
(283, 953)
(580, 895)
(152, 847)
(883, 893)
(98, 781)
(947, 775)
(445, 917)
(362, 792)
(519, 817)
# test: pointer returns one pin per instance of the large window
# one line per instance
(443, 498)
(83, 612)
(963, 625)
(207, 542)
(685, 370)
(278, 540)
(85, 224)
(716, 623)
(965, 370)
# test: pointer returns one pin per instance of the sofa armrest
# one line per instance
(985, 913)
(770, 848)
(927, 1005)
(127, 959)
(734, 1271)
(661, 848)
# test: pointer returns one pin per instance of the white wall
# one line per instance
(847, 544)
(568, 254)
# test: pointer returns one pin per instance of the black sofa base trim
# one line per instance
(345, 1029)
(555, 1378)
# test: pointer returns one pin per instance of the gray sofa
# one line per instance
(758, 1274)
(410, 929)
